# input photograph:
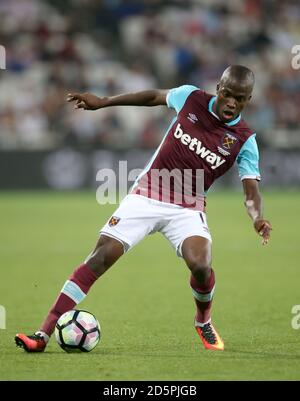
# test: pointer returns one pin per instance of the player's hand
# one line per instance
(263, 228)
(86, 101)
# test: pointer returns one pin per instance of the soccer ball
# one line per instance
(77, 331)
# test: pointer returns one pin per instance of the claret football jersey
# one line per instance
(196, 149)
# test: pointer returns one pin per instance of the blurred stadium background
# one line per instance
(112, 46)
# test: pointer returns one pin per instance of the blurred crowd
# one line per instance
(113, 46)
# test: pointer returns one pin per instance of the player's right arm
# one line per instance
(88, 101)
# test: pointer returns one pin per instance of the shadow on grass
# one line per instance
(262, 354)
(171, 353)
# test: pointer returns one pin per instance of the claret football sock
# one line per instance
(203, 295)
(72, 293)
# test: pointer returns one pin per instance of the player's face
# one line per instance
(231, 100)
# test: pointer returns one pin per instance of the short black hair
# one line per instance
(239, 74)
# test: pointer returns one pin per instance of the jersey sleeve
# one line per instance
(176, 97)
(248, 160)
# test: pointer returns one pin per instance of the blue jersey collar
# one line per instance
(210, 109)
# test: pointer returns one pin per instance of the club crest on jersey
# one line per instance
(113, 221)
(228, 141)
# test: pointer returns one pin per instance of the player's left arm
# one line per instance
(253, 203)
(248, 166)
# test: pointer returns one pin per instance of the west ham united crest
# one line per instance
(113, 221)
(228, 141)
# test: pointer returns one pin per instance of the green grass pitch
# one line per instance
(144, 303)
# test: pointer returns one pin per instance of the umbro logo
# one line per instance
(192, 117)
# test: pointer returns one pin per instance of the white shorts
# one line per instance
(138, 216)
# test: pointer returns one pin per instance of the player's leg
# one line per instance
(188, 232)
(107, 251)
(135, 218)
(196, 252)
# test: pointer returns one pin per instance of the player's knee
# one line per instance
(200, 269)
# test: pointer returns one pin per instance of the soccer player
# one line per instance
(208, 134)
